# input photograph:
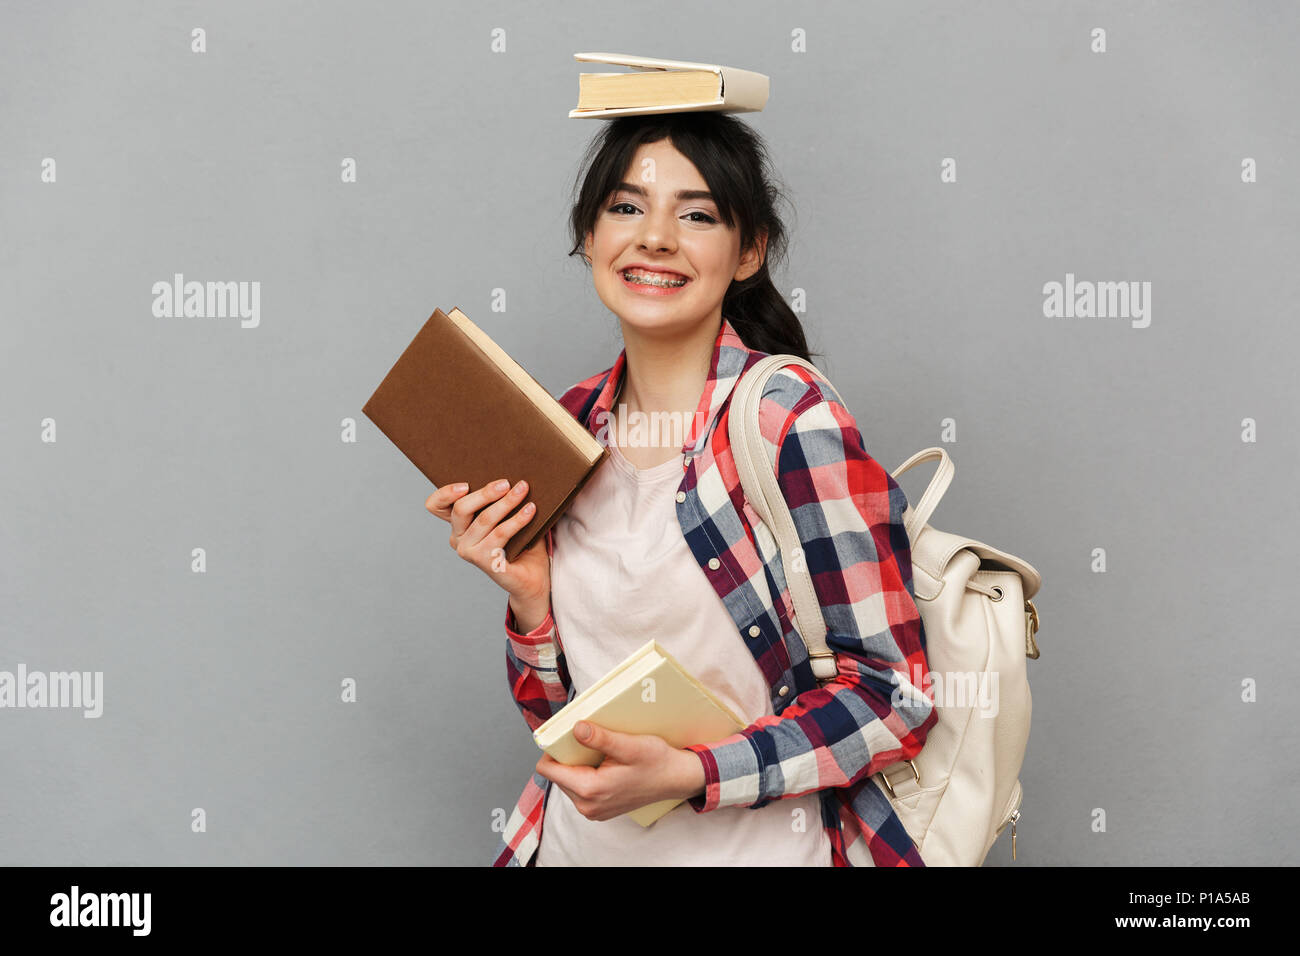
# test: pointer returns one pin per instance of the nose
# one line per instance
(658, 231)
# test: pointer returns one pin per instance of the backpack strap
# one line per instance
(761, 488)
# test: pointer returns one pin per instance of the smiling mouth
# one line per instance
(660, 280)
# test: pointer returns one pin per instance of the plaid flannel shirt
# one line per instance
(849, 513)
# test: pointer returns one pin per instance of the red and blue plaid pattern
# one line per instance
(849, 514)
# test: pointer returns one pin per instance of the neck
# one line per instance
(666, 373)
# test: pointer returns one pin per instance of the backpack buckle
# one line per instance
(889, 786)
(824, 666)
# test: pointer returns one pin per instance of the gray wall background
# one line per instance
(222, 689)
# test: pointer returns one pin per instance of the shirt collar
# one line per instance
(730, 358)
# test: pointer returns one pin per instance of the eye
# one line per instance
(627, 209)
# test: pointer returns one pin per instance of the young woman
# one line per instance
(676, 219)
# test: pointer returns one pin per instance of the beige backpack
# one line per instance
(960, 792)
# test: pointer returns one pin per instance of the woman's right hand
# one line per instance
(479, 535)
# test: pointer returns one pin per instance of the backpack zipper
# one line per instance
(1013, 817)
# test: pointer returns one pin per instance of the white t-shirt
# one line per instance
(622, 574)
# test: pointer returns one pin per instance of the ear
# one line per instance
(751, 259)
(586, 248)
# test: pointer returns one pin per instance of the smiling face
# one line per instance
(670, 227)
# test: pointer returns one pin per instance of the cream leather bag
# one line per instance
(963, 788)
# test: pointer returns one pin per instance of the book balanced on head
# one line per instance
(648, 693)
(666, 86)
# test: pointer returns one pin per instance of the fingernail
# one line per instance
(529, 508)
(582, 731)
(519, 488)
(460, 486)
(501, 485)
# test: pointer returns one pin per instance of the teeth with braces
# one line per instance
(653, 280)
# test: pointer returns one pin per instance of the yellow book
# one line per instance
(648, 693)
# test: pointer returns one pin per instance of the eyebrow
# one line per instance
(681, 193)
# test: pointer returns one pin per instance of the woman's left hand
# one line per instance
(638, 769)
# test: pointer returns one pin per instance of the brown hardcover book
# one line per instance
(461, 409)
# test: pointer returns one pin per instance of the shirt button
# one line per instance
(784, 690)
(754, 631)
(681, 496)
(714, 564)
